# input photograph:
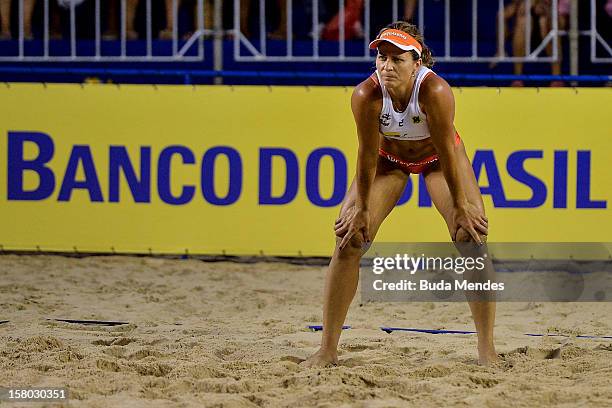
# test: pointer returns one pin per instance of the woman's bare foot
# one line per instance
(278, 34)
(131, 35)
(110, 35)
(166, 34)
(321, 359)
(487, 356)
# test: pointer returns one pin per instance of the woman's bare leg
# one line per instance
(343, 273)
(112, 22)
(245, 15)
(545, 28)
(5, 16)
(130, 16)
(483, 312)
(167, 33)
(519, 40)
(28, 10)
(209, 16)
(170, 13)
(281, 32)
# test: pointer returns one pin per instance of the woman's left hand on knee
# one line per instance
(472, 220)
(463, 236)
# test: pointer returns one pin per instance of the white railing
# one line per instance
(258, 51)
(596, 38)
(247, 49)
(178, 54)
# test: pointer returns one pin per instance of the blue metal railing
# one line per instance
(188, 76)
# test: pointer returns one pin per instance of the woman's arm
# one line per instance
(366, 105)
(365, 112)
(439, 105)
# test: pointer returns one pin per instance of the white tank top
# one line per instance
(411, 124)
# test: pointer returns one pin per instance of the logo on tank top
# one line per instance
(384, 119)
(416, 119)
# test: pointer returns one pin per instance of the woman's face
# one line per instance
(395, 65)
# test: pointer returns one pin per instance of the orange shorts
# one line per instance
(416, 167)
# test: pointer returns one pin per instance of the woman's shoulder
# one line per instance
(433, 87)
(368, 92)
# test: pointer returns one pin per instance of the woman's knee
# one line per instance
(355, 247)
(464, 236)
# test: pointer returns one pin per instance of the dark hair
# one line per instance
(413, 30)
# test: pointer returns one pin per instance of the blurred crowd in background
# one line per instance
(164, 27)
(515, 15)
(163, 22)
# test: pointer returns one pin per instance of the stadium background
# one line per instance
(251, 170)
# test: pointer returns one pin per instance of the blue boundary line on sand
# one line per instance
(434, 331)
(319, 328)
(429, 331)
(390, 330)
(91, 322)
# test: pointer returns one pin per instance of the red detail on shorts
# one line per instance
(417, 167)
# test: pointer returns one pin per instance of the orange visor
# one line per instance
(400, 39)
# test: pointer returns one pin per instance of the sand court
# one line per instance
(232, 334)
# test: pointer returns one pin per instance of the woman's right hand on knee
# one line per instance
(355, 222)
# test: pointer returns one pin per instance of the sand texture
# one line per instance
(204, 334)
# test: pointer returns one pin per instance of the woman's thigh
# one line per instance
(387, 188)
(440, 193)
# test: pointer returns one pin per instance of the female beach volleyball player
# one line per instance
(404, 116)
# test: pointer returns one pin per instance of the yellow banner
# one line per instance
(250, 170)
